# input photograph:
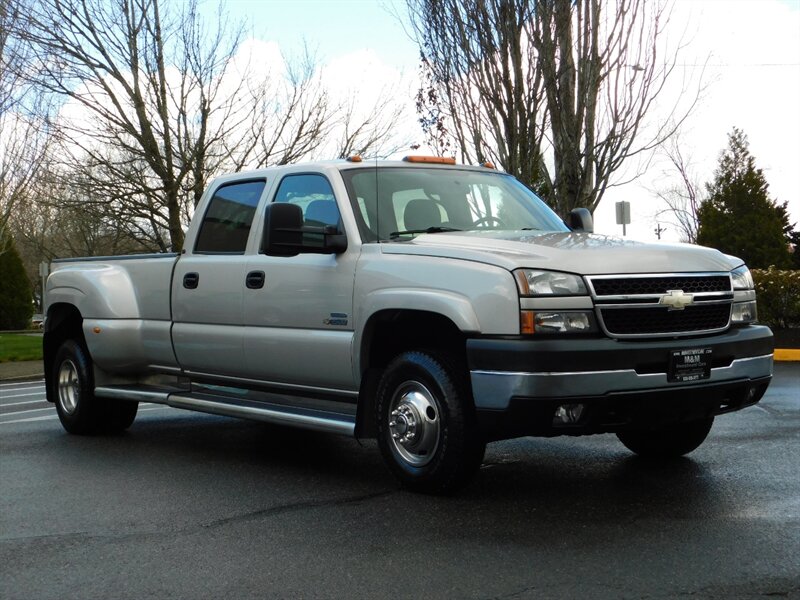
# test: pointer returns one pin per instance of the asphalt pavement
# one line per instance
(197, 506)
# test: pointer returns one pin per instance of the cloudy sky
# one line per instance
(748, 52)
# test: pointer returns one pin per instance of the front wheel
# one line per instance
(426, 423)
(73, 389)
(667, 442)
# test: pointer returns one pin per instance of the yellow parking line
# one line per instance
(792, 354)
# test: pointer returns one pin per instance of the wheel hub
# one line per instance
(414, 423)
(68, 387)
(404, 425)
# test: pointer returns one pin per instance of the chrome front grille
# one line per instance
(626, 286)
(666, 305)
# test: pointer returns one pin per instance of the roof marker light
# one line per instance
(436, 160)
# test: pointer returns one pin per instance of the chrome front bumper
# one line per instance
(493, 390)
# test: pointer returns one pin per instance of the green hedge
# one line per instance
(16, 299)
(778, 294)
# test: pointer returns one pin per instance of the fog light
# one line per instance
(568, 414)
(744, 312)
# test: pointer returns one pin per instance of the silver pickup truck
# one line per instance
(433, 306)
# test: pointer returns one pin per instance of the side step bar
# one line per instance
(271, 413)
(317, 420)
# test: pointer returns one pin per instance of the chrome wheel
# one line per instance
(414, 423)
(68, 387)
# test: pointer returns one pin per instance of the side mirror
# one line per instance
(286, 235)
(283, 230)
(580, 219)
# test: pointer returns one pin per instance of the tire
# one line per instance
(426, 423)
(667, 442)
(78, 410)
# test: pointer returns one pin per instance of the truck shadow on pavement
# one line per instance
(521, 482)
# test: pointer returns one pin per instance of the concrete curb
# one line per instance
(22, 378)
(787, 354)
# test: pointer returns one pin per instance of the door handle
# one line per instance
(255, 280)
(190, 280)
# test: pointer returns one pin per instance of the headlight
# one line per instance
(743, 312)
(532, 282)
(742, 279)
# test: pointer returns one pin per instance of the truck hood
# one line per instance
(581, 253)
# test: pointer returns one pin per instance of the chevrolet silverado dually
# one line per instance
(434, 306)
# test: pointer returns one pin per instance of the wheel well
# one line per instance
(63, 322)
(391, 332)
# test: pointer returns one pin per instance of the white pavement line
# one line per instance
(29, 420)
(21, 403)
(20, 412)
(27, 388)
(23, 383)
(4, 397)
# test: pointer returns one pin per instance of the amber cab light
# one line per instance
(436, 160)
(354, 158)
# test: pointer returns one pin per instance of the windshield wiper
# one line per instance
(397, 234)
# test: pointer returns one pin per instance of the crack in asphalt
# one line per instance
(293, 507)
(249, 516)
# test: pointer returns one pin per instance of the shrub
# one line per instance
(16, 299)
(778, 295)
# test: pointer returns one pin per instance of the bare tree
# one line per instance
(157, 102)
(56, 220)
(369, 129)
(484, 90)
(148, 83)
(683, 199)
(569, 82)
(292, 114)
(24, 135)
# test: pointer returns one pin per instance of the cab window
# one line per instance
(226, 225)
(314, 195)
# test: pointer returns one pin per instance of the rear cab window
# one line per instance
(229, 216)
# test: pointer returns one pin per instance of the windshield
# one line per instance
(396, 203)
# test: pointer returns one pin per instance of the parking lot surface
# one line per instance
(197, 506)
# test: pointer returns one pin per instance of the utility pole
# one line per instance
(44, 271)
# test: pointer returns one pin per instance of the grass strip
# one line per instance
(16, 347)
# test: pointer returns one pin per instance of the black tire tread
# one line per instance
(461, 450)
(92, 415)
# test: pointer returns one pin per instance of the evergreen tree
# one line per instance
(16, 299)
(738, 217)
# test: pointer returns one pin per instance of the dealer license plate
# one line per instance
(689, 365)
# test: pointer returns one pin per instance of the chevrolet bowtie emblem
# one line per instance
(676, 299)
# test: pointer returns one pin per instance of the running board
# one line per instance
(316, 420)
(281, 414)
(137, 393)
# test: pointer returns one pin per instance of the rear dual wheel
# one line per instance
(73, 390)
(667, 442)
(426, 423)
